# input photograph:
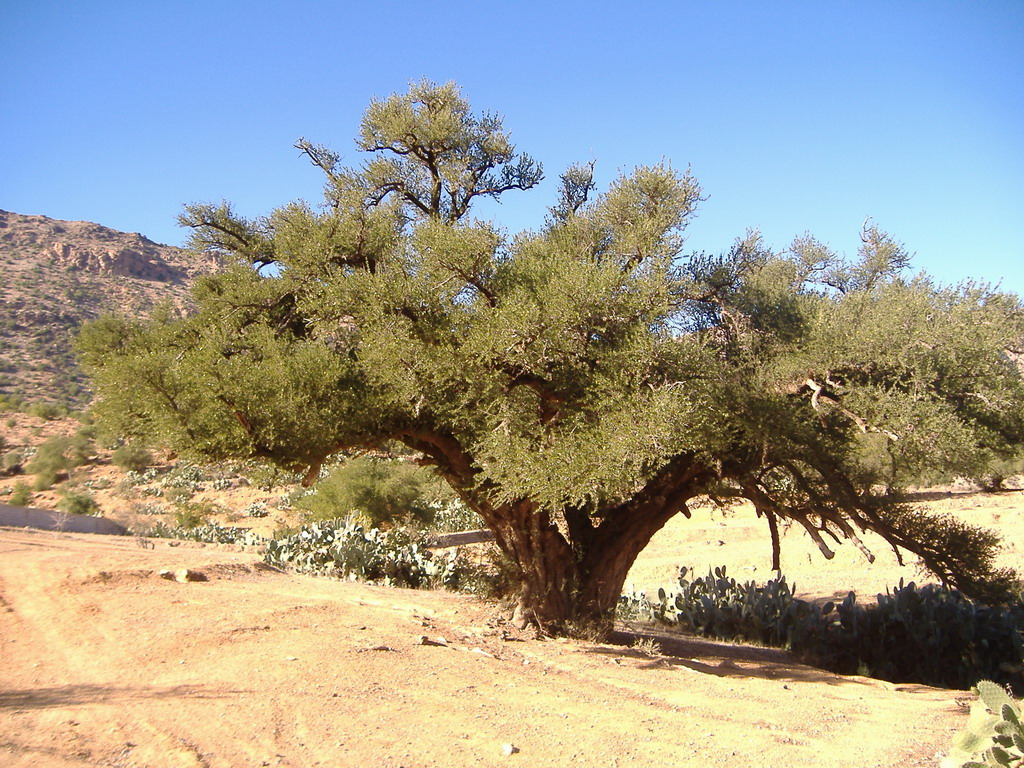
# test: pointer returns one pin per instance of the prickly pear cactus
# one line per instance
(994, 734)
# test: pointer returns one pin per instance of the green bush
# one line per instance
(189, 515)
(210, 533)
(10, 403)
(347, 549)
(256, 509)
(22, 495)
(12, 462)
(45, 480)
(930, 634)
(46, 411)
(50, 457)
(381, 491)
(994, 735)
(76, 503)
(452, 516)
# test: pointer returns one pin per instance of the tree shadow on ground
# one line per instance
(719, 659)
(73, 695)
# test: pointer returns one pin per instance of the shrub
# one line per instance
(994, 734)
(45, 480)
(51, 457)
(10, 403)
(133, 478)
(12, 462)
(347, 549)
(453, 516)
(210, 533)
(931, 634)
(176, 494)
(256, 509)
(187, 476)
(134, 458)
(22, 495)
(193, 515)
(147, 509)
(75, 503)
(381, 491)
(45, 411)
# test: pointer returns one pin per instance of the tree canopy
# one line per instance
(579, 384)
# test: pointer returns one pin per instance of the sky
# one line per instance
(794, 116)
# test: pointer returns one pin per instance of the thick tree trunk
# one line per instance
(563, 585)
(548, 573)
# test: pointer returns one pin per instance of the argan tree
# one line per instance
(580, 384)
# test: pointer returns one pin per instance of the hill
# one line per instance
(59, 274)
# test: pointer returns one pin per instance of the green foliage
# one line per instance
(12, 462)
(994, 735)
(452, 516)
(930, 634)
(718, 606)
(210, 533)
(188, 515)
(55, 457)
(381, 491)
(10, 403)
(347, 549)
(132, 457)
(576, 385)
(46, 411)
(78, 503)
(22, 495)
(256, 509)
(45, 480)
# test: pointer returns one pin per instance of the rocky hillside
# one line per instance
(58, 274)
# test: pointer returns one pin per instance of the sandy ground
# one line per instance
(105, 663)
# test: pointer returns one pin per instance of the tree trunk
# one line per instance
(563, 585)
(548, 574)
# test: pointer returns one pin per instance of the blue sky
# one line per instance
(794, 116)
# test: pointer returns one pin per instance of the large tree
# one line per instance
(581, 384)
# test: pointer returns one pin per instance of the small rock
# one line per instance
(182, 575)
(440, 641)
(509, 749)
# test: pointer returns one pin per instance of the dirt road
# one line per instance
(105, 663)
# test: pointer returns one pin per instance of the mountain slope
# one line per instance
(55, 275)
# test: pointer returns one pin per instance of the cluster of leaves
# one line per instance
(21, 496)
(11, 464)
(132, 457)
(133, 477)
(381, 491)
(256, 509)
(994, 735)
(207, 532)
(718, 606)
(78, 503)
(930, 634)
(453, 516)
(46, 411)
(55, 457)
(347, 549)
